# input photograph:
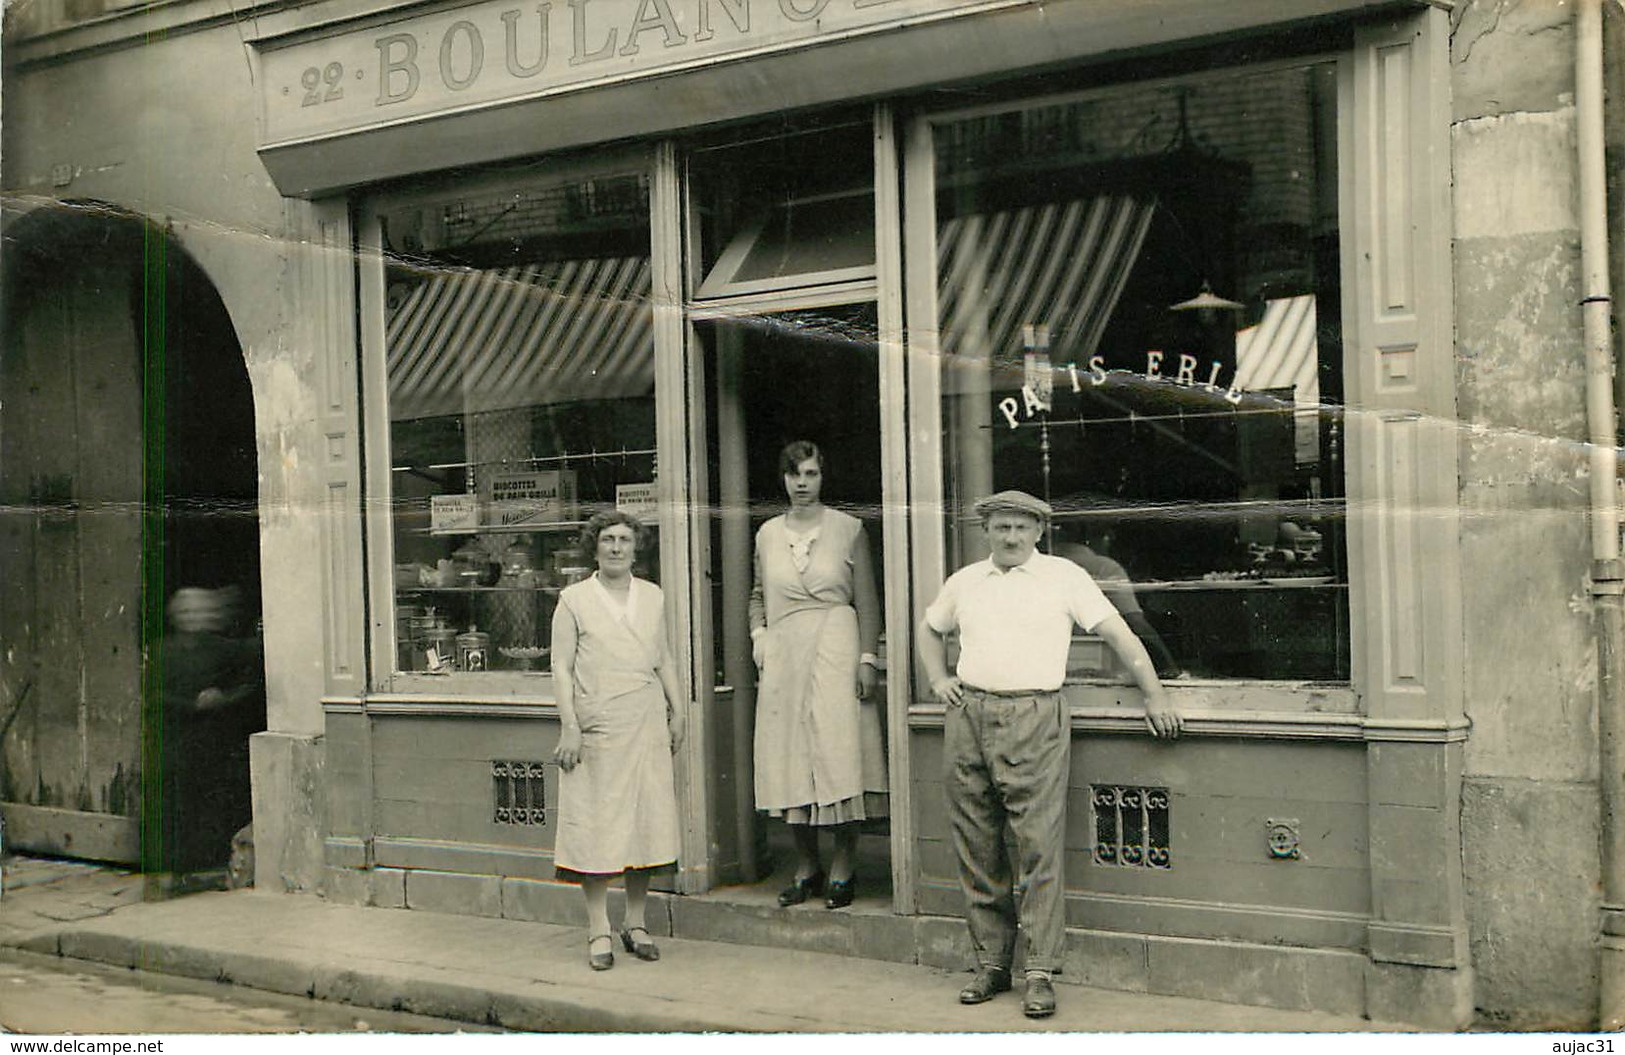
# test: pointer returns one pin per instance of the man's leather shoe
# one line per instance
(988, 983)
(1040, 999)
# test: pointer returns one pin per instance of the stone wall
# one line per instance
(1530, 810)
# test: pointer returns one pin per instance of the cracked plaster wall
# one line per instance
(164, 129)
(1530, 813)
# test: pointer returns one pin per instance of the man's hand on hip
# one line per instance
(947, 690)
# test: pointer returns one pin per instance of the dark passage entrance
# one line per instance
(128, 478)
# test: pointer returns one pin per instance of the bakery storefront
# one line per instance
(1180, 268)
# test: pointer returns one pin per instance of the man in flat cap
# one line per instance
(1008, 735)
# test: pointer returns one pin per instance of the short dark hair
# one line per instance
(604, 519)
(797, 451)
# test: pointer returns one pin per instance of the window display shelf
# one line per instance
(619, 454)
(1283, 582)
(1307, 509)
(552, 527)
(478, 589)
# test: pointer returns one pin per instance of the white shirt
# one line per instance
(1015, 626)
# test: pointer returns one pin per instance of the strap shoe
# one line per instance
(802, 889)
(841, 892)
(601, 961)
(643, 948)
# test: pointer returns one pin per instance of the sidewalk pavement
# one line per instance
(534, 976)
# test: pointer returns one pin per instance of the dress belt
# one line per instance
(1008, 693)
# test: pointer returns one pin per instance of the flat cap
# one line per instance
(1013, 502)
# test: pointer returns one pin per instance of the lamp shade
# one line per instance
(1207, 300)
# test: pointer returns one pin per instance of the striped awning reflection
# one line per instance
(1061, 264)
(1279, 353)
(461, 341)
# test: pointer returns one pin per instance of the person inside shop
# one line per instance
(815, 626)
(1007, 735)
(621, 718)
(1089, 545)
(213, 677)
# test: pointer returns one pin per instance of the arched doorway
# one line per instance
(128, 478)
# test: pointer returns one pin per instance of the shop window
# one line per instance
(520, 370)
(1139, 313)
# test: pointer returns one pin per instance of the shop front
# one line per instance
(1185, 280)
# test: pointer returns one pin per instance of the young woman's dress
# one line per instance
(820, 756)
(618, 806)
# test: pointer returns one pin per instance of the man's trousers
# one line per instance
(1007, 759)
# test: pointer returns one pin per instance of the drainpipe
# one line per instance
(1607, 587)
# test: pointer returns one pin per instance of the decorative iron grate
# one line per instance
(1131, 826)
(518, 792)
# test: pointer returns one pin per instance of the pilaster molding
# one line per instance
(1404, 501)
(327, 303)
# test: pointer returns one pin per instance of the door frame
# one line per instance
(885, 291)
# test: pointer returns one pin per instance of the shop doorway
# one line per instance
(127, 476)
(772, 378)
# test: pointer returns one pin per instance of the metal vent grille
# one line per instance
(1131, 826)
(518, 792)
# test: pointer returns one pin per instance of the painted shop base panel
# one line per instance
(1229, 869)
(1221, 839)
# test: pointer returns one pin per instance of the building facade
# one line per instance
(1279, 306)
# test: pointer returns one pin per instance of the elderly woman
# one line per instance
(621, 717)
(214, 700)
(815, 622)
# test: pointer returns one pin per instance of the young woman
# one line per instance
(815, 624)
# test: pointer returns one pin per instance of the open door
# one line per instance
(807, 374)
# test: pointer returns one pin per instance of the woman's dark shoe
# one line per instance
(643, 948)
(601, 961)
(988, 983)
(801, 890)
(842, 891)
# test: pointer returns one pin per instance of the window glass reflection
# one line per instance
(520, 363)
(1139, 310)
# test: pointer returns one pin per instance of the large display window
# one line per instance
(518, 354)
(1138, 313)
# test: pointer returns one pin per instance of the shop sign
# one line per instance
(497, 52)
(453, 514)
(1037, 390)
(531, 499)
(639, 500)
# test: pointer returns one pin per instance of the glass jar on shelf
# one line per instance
(474, 566)
(570, 565)
(517, 563)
